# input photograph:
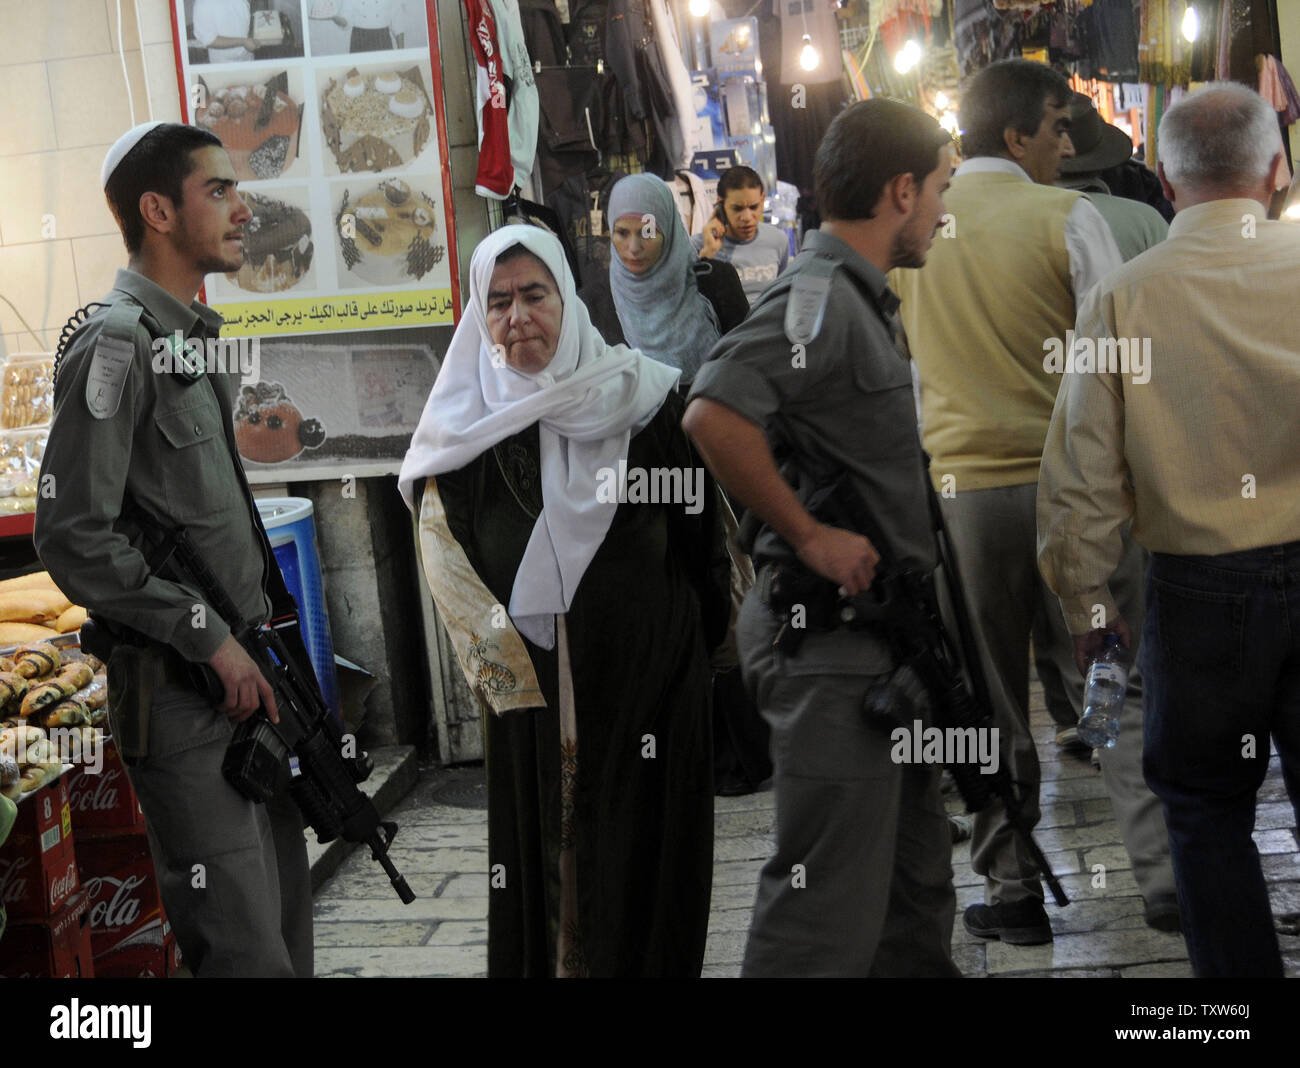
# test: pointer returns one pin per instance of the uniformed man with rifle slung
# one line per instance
(809, 390)
(143, 429)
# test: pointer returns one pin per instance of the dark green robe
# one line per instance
(654, 596)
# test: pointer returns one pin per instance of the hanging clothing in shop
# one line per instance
(679, 81)
(582, 202)
(1108, 34)
(522, 104)
(1252, 35)
(496, 172)
(1063, 34)
(816, 18)
(646, 86)
(571, 113)
(982, 35)
(1163, 59)
(897, 20)
(585, 33)
(543, 32)
(1222, 59)
(1276, 87)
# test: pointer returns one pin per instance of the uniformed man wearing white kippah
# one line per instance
(136, 436)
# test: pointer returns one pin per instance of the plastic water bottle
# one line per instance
(1103, 697)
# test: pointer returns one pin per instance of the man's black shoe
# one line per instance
(1018, 923)
(1161, 913)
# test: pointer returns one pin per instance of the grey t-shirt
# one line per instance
(758, 262)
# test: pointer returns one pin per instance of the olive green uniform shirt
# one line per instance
(169, 446)
(843, 402)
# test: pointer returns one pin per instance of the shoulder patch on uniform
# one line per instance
(111, 361)
(810, 291)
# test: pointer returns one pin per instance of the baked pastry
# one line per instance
(269, 428)
(388, 235)
(258, 126)
(32, 606)
(35, 660)
(277, 246)
(375, 122)
(28, 398)
(16, 633)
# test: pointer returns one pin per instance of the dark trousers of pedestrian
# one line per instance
(993, 533)
(1221, 660)
(861, 882)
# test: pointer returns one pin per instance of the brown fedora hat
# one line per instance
(1097, 144)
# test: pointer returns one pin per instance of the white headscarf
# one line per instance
(590, 400)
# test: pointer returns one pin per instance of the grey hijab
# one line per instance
(662, 311)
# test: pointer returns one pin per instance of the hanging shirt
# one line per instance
(523, 108)
(496, 172)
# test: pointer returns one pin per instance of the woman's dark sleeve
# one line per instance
(698, 541)
(720, 285)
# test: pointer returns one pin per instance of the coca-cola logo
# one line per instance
(103, 798)
(64, 884)
(121, 910)
(13, 887)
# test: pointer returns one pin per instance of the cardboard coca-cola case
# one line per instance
(38, 865)
(57, 949)
(104, 800)
(128, 927)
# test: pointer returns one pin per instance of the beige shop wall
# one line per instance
(63, 99)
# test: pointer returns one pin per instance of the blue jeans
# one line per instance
(1220, 660)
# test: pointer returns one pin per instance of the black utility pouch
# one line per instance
(133, 673)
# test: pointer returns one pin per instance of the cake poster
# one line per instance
(324, 407)
(340, 153)
(332, 114)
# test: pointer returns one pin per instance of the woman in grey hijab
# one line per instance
(673, 306)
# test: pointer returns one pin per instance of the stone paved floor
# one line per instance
(363, 930)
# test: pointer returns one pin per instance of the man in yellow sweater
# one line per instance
(995, 294)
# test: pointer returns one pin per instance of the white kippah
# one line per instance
(122, 146)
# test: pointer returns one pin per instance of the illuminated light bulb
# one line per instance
(941, 101)
(1191, 24)
(908, 57)
(1293, 212)
(700, 8)
(809, 57)
(948, 120)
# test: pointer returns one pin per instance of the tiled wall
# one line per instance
(64, 100)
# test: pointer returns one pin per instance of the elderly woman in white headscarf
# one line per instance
(569, 537)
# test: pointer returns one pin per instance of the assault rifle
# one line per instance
(929, 677)
(325, 783)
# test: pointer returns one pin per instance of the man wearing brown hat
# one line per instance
(1099, 146)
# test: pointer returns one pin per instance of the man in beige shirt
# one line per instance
(1179, 413)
